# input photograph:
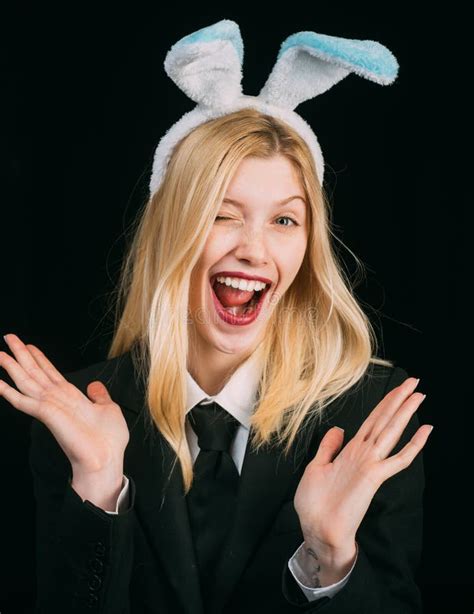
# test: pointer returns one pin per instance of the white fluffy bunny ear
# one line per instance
(207, 64)
(308, 64)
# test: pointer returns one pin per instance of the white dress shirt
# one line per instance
(238, 398)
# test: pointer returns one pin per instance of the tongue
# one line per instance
(232, 297)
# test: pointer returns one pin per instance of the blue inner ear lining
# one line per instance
(367, 55)
(225, 29)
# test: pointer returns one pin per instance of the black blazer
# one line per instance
(141, 561)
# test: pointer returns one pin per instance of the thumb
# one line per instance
(330, 445)
(98, 392)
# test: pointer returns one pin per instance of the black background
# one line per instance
(85, 101)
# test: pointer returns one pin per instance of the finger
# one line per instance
(54, 375)
(25, 383)
(385, 409)
(393, 464)
(26, 360)
(392, 432)
(330, 445)
(24, 403)
(98, 392)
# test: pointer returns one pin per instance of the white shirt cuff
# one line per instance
(122, 501)
(296, 567)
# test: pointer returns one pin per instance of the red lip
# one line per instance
(242, 276)
(234, 319)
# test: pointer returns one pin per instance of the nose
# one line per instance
(252, 248)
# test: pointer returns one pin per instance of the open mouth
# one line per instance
(247, 308)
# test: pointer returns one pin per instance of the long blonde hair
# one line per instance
(318, 342)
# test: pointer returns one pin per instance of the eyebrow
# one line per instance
(279, 204)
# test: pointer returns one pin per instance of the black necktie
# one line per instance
(213, 494)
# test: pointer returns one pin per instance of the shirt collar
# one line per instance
(238, 395)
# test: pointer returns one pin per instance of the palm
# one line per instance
(92, 433)
(337, 486)
(341, 491)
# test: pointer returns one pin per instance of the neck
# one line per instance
(211, 369)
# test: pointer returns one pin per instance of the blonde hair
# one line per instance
(318, 342)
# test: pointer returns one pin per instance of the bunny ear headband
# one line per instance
(207, 66)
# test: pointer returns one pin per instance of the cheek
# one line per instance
(289, 263)
(218, 242)
(217, 245)
(291, 255)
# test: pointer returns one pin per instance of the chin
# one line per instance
(237, 343)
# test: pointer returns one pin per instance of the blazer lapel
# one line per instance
(161, 506)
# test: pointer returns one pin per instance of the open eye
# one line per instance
(285, 217)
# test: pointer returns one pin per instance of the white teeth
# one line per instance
(242, 284)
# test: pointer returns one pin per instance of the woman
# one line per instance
(303, 508)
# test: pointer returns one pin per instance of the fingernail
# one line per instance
(431, 428)
(417, 382)
(424, 397)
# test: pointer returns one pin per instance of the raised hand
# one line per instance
(91, 431)
(337, 486)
